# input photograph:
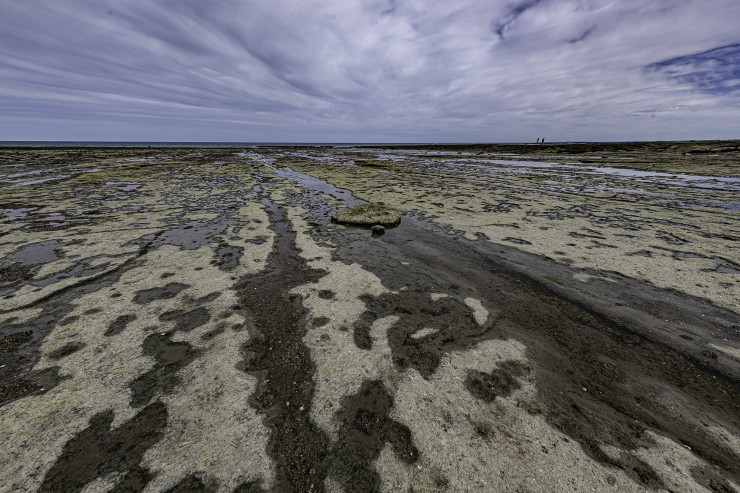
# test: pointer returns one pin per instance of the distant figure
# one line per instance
(543, 140)
(538, 140)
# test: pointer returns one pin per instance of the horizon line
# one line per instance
(8, 143)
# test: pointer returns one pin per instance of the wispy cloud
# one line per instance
(714, 71)
(513, 13)
(375, 70)
(581, 37)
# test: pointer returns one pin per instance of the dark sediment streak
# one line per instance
(277, 355)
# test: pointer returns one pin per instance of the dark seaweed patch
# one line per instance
(168, 291)
(66, 350)
(169, 358)
(712, 480)
(189, 237)
(640, 253)
(99, 450)
(253, 486)
(501, 382)
(634, 467)
(16, 272)
(452, 319)
(119, 324)
(193, 484)
(68, 320)
(213, 333)
(208, 298)
(14, 341)
(227, 257)
(669, 238)
(33, 382)
(134, 481)
(326, 294)
(187, 320)
(518, 241)
(366, 427)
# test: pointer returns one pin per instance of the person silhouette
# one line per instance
(543, 140)
(538, 140)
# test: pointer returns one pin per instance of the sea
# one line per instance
(66, 143)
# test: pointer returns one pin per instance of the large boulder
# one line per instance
(368, 215)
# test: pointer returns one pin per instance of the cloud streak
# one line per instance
(713, 71)
(501, 26)
(376, 70)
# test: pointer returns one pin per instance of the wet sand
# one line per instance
(544, 318)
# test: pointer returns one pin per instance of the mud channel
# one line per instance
(189, 319)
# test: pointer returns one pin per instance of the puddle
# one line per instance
(40, 180)
(189, 237)
(488, 169)
(725, 266)
(23, 212)
(732, 205)
(75, 172)
(526, 164)
(683, 255)
(575, 177)
(80, 270)
(125, 186)
(37, 253)
(166, 292)
(306, 181)
(697, 181)
(34, 172)
(391, 157)
(727, 269)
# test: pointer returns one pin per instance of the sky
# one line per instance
(369, 71)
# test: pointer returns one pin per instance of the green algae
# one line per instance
(368, 215)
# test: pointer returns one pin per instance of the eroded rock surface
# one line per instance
(547, 318)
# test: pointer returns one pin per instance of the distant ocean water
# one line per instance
(11, 143)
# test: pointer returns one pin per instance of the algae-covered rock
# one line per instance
(368, 215)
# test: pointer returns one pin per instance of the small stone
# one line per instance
(378, 228)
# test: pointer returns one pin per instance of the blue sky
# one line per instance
(369, 71)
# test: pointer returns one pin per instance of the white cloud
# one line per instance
(473, 70)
